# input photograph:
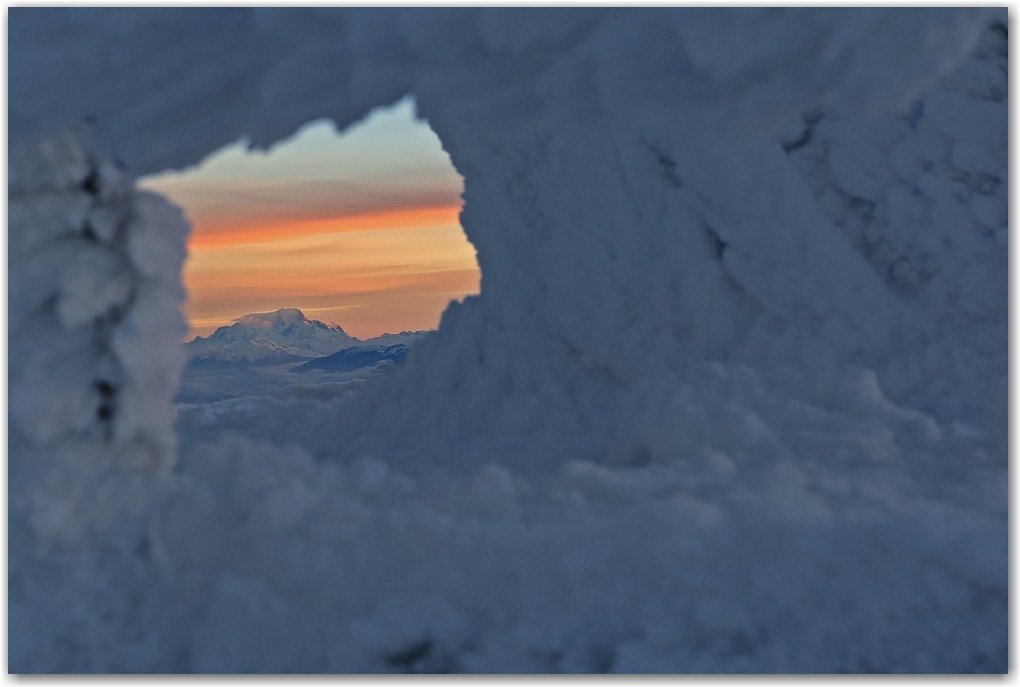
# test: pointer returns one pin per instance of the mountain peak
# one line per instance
(284, 317)
(269, 338)
(284, 335)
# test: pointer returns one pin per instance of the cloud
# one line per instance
(266, 228)
(230, 207)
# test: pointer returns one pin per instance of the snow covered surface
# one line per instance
(732, 397)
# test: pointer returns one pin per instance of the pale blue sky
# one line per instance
(388, 160)
(359, 227)
(389, 142)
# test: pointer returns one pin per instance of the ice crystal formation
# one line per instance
(732, 396)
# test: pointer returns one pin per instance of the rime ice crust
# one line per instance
(95, 325)
(95, 304)
(94, 362)
(732, 397)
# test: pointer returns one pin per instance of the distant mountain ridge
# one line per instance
(355, 358)
(283, 336)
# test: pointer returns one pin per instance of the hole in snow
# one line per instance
(359, 228)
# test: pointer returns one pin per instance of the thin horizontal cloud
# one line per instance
(270, 229)
(413, 301)
(326, 286)
(215, 209)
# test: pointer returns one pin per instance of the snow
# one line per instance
(282, 336)
(269, 338)
(732, 397)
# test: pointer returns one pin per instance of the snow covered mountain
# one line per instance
(274, 338)
(406, 338)
(355, 358)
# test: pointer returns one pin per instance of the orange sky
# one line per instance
(360, 229)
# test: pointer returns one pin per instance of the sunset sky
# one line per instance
(360, 229)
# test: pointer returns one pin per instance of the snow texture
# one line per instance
(732, 397)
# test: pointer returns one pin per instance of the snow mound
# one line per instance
(732, 397)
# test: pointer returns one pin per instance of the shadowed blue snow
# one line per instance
(732, 397)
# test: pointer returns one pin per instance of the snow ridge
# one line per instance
(732, 398)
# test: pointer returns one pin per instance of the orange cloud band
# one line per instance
(201, 285)
(208, 235)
